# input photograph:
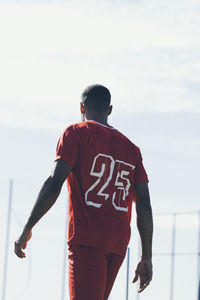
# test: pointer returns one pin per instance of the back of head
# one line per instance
(96, 98)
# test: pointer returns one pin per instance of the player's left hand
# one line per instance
(144, 273)
(21, 243)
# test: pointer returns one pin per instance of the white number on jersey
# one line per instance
(106, 169)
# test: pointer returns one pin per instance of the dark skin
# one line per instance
(51, 190)
(145, 227)
(45, 200)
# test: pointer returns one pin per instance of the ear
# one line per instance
(110, 110)
(82, 109)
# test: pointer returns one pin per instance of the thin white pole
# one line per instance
(199, 292)
(198, 259)
(63, 296)
(139, 256)
(127, 273)
(173, 257)
(5, 269)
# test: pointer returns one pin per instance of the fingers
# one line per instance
(136, 277)
(24, 245)
(144, 281)
(144, 274)
(143, 286)
(21, 243)
(18, 250)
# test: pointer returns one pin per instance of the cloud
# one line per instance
(146, 53)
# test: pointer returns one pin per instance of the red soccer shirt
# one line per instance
(105, 167)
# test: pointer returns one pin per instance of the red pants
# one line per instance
(92, 272)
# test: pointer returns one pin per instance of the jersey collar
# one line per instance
(110, 127)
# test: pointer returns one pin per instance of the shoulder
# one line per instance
(74, 128)
(134, 147)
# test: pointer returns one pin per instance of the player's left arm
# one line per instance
(45, 200)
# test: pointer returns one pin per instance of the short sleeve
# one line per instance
(68, 146)
(140, 173)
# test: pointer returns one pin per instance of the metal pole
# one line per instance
(127, 273)
(199, 292)
(173, 257)
(64, 261)
(7, 240)
(139, 257)
(198, 260)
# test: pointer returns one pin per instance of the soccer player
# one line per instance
(105, 174)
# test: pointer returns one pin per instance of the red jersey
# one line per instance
(106, 164)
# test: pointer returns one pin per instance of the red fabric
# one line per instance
(105, 167)
(92, 272)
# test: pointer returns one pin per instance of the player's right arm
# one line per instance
(145, 228)
(45, 200)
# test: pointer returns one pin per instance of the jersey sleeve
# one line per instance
(140, 173)
(68, 146)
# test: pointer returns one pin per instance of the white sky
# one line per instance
(147, 54)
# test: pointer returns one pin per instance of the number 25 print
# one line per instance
(109, 172)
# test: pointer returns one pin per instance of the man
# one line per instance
(104, 173)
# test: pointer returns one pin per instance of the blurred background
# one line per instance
(148, 54)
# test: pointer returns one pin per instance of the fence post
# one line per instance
(5, 269)
(127, 273)
(198, 259)
(173, 257)
(63, 296)
(139, 257)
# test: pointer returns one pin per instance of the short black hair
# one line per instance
(96, 97)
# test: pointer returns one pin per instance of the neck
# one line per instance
(100, 119)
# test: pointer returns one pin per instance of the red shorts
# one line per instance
(92, 272)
